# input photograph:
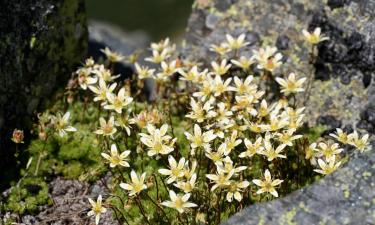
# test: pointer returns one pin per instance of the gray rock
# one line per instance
(342, 93)
(108, 35)
(344, 197)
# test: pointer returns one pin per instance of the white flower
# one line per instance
(112, 56)
(137, 184)
(199, 139)
(168, 69)
(236, 43)
(220, 87)
(252, 148)
(291, 85)
(220, 179)
(187, 186)
(244, 87)
(106, 128)
(267, 185)
(84, 78)
(178, 202)
(157, 140)
(116, 159)
(143, 71)
(102, 91)
(158, 57)
(243, 62)
(61, 124)
(96, 208)
(328, 166)
(221, 69)
(272, 153)
(359, 143)
(234, 190)
(176, 171)
(119, 101)
(314, 37)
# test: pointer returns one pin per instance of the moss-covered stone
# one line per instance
(41, 42)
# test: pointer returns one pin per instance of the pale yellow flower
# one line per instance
(104, 74)
(178, 202)
(112, 56)
(267, 185)
(236, 43)
(329, 150)
(223, 114)
(270, 152)
(96, 209)
(102, 91)
(291, 85)
(207, 88)
(271, 63)
(252, 148)
(123, 121)
(143, 71)
(328, 166)
(263, 110)
(232, 142)
(157, 140)
(158, 57)
(340, 136)
(263, 54)
(359, 143)
(192, 75)
(199, 139)
(200, 112)
(221, 69)
(116, 159)
(244, 87)
(119, 101)
(221, 86)
(220, 179)
(175, 171)
(189, 172)
(243, 62)
(17, 136)
(217, 156)
(163, 44)
(61, 124)
(187, 186)
(106, 128)
(221, 49)
(314, 37)
(84, 78)
(137, 184)
(234, 190)
(287, 137)
(311, 153)
(168, 69)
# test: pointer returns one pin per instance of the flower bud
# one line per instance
(17, 136)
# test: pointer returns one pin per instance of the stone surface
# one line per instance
(41, 42)
(70, 205)
(344, 197)
(342, 93)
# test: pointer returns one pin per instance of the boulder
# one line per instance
(41, 43)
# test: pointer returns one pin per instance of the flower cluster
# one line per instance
(225, 141)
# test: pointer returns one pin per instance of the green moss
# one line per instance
(315, 132)
(28, 195)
